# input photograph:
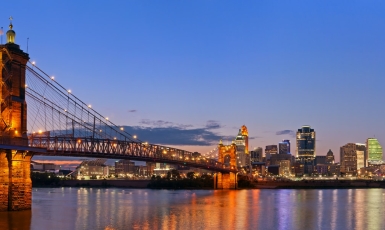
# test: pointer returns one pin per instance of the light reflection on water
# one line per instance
(113, 208)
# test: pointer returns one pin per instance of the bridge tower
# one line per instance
(227, 155)
(15, 180)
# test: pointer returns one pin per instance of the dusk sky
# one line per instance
(196, 71)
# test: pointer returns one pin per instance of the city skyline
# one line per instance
(184, 70)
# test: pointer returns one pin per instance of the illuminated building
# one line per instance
(322, 169)
(330, 157)
(44, 167)
(306, 148)
(91, 169)
(284, 167)
(334, 169)
(288, 145)
(269, 150)
(242, 145)
(298, 169)
(259, 168)
(276, 158)
(283, 148)
(361, 152)
(256, 155)
(305, 143)
(352, 158)
(374, 151)
(124, 167)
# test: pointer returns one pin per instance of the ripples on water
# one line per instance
(92, 208)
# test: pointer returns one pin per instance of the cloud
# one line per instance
(175, 135)
(170, 133)
(286, 132)
(162, 124)
(211, 124)
(132, 111)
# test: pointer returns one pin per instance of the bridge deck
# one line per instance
(116, 149)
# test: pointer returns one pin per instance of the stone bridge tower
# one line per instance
(15, 179)
(228, 156)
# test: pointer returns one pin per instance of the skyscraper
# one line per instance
(373, 151)
(361, 152)
(305, 151)
(352, 158)
(242, 144)
(270, 149)
(256, 155)
(283, 147)
(288, 145)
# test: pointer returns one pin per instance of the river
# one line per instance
(114, 208)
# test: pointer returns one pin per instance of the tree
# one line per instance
(191, 175)
(173, 175)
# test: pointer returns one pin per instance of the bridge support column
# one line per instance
(15, 181)
(4, 181)
(225, 181)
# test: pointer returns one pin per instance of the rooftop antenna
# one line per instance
(27, 44)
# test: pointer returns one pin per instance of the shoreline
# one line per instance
(305, 184)
(319, 184)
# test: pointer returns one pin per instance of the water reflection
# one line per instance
(77, 208)
(15, 220)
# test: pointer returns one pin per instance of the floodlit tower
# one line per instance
(373, 151)
(242, 143)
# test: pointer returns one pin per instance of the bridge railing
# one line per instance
(125, 149)
(10, 140)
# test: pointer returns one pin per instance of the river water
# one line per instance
(113, 208)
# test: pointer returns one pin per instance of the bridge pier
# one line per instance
(15, 177)
(15, 180)
(226, 180)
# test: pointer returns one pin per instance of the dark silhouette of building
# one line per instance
(320, 160)
(269, 150)
(283, 147)
(256, 155)
(288, 145)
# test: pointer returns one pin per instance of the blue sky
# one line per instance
(271, 65)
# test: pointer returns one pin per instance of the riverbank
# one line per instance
(319, 184)
(105, 183)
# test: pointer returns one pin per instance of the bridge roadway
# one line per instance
(116, 149)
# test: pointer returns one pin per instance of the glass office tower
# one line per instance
(373, 151)
(305, 150)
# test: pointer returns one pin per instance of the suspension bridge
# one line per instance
(61, 124)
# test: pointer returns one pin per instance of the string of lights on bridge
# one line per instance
(61, 123)
(42, 81)
(63, 103)
(212, 154)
